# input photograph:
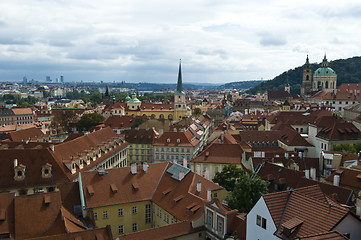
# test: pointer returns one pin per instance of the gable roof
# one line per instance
(24, 134)
(348, 177)
(313, 211)
(180, 139)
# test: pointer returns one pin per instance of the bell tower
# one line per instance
(306, 85)
(179, 97)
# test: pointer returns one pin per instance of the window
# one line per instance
(95, 216)
(120, 212)
(105, 214)
(210, 219)
(329, 162)
(120, 229)
(262, 222)
(134, 210)
(134, 227)
(160, 213)
(220, 226)
(147, 213)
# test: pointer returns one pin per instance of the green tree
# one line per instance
(87, 121)
(244, 189)
(228, 177)
(345, 147)
(247, 191)
(137, 122)
(196, 112)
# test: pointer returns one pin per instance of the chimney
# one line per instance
(185, 162)
(307, 173)
(52, 147)
(313, 173)
(145, 167)
(209, 195)
(198, 169)
(15, 162)
(133, 168)
(181, 175)
(336, 180)
(199, 186)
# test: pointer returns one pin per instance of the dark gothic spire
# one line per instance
(179, 84)
(307, 64)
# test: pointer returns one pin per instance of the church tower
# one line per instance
(306, 85)
(179, 97)
(324, 78)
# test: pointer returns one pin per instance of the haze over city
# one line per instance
(142, 41)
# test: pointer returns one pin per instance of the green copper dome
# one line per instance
(128, 98)
(325, 71)
(134, 100)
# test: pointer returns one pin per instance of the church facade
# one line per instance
(323, 79)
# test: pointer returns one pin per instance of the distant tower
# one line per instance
(25, 80)
(61, 79)
(287, 86)
(306, 85)
(179, 97)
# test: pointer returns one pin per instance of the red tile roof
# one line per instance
(332, 235)
(171, 231)
(313, 212)
(181, 139)
(123, 180)
(140, 136)
(7, 214)
(25, 134)
(220, 153)
(348, 177)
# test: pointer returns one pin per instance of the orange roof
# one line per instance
(348, 177)
(7, 214)
(220, 153)
(181, 139)
(25, 134)
(166, 232)
(123, 179)
(43, 218)
(313, 211)
(92, 234)
(22, 111)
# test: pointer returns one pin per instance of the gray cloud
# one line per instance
(271, 39)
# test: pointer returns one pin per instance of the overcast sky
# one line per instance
(143, 40)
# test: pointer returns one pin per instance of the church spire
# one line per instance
(307, 64)
(180, 84)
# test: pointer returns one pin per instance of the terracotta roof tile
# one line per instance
(220, 153)
(7, 214)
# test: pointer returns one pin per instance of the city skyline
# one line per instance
(142, 41)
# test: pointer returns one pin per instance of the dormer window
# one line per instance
(168, 140)
(46, 171)
(19, 172)
(178, 140)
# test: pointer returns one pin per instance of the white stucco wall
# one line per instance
(255, 232)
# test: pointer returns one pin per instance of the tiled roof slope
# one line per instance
(119, 122)
(333, 235)
(290, 136)
(92, 234)
(125, 182)
(33, 160)
(45, 217)
(181, 139)
(7, 214)
(22, 111)
(346, 91)
(298, 118)
(160, 233)
(295, 179)
(191, 206)
(140, 136)
(260, 136)
(25, 134)
(348, 177)
(339, 130)
(309, 206)
(220, 153)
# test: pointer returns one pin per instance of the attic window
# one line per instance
(19, 172)
(90, 190)
(47, 199)
(165, 192)
(46, 170)
(190, 206)
(2, 214)
(177, 199)
(135, 186)
(178, 140)
(168, 140)
(195, 208)
(114, 188)
(291, 225)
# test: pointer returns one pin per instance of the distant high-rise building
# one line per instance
(61, 79)
(25, 80)
(48, 79)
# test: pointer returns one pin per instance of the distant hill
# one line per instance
(347, 70)
(240, 85)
